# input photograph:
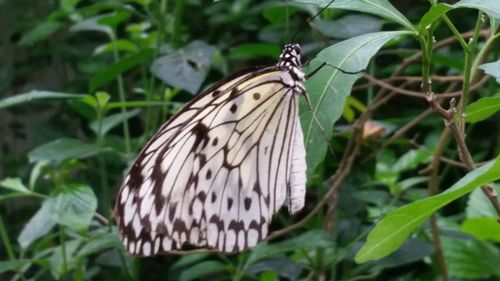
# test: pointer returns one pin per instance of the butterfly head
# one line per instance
(290, 56)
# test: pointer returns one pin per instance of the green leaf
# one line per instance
(13, 264)
(185, 68)
(482, 109)
(188, 260)
(329, 88)
(36, 95)
(118, 68)
(349, 26)
(492, 69)
(490, 7)
(482, 228)
(479, 205)
(395, 228)
(470, 259)
(73, 206)
(434, 13)
(39, 32)
(202, 269)
(38, 226)
(14, 184)
(119, 45)
(113, 120)
(92, 24)
(100, 241)
(61, 149)
(411, 159)
(382, 8)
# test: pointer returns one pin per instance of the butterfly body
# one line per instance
(216, 172)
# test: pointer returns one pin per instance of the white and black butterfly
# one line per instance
(216, 172)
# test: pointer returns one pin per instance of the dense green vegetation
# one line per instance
(407, 194)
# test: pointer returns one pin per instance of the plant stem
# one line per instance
(103, 174)
(455, 32)
(6, 240)
(63, 249)
(121, 93)
(176, 32)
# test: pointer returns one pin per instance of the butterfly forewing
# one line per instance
(216, 172)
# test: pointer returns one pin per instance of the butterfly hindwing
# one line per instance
(216, 172)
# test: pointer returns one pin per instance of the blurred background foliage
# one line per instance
(84, 84)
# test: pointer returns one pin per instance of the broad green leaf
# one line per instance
(201, 269)
(61, 149)
(185, 68)
(349, 26)
(113, 120)
(482, 109)
(38, 226)
(411, 159)
(13, 264)
(39, 32)
(36, 171)
(490, 7)
(115, 18)
(412, 250)
(434, 13)
(492, 69)
(14, 184)
(36, 95)
(482, 228)
(73, 206)
(470, 259)
(188, 260)
(382, 8)
(395, 228)
(118, 68)
(329, 88)
(479, 205)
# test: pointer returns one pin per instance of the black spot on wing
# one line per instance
(200, 131)
(233, 108)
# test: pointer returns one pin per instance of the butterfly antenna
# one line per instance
(335, 67)
(311, 19)
(321, 128)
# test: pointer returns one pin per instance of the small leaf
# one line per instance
(92, 24)
(73, 206)
(482, 109)
(482, 228)
(102, 99)
(36, 95)
(100, 242)
(393, 229)
(185, 68)
(202, 269)
(479, 205)
(113, 120)
(492, 69)
(61, 149)
(14, 184)
(38, 226)
(434, 13)
(39, 32)
(13, 264)
(411, 159)
(119, 45)
(490, 7)
(118, 68)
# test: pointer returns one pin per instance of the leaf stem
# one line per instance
(103, 174)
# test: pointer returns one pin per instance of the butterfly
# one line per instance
(217, 171)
